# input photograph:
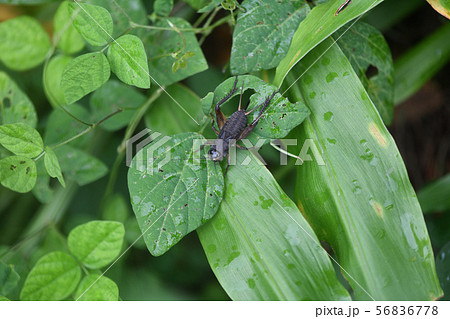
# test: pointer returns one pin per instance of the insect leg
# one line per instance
(250, 128)
(246, 106)
(221, 119)
(214, 128)
(264, 105)
(228, 164)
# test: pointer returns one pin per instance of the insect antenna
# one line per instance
(240, 98)
(279, 149)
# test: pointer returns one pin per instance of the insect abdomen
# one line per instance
(233, 127)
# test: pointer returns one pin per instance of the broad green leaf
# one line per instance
(94, 23)
(365, 48)
(61, 127)
(21, 139)
(54, 277)
(434, 197)
(443, 270)
(318, 25)
(83, 75)
(15, 106)
(9, 278)
(417, 66)
(163, 7)
(2, 298)
(116, 208)
(160, 45)
(259, 245)
(96, 288)
(263, 33)
(112, 96)
(70, 41)
(52, 79)
(79, 165)
(24, 43)
(280, 116)
(186, 107)
(441, 6)
(18, 173)
(97, 243)
(360, 200)
(121, 12)
(172, 193)
(52, 165)
(128, 61)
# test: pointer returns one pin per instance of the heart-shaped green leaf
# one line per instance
(83, 75)
(129, 61)
(94, 23)
(93, 288)
(21, 139)
(24, 43)
(172, 193)
(54, 277)
(18, 173)
(96, 243)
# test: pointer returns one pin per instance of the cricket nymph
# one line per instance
(234, 128)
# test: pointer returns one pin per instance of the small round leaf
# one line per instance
(54, 277)
(21, 139)
(129, 61)
(93, 288)
(24, 43)
(18, 173)
(94, 23)
(83, 75)
(97, 243)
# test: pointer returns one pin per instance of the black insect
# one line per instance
(234, 128)
(342, 7)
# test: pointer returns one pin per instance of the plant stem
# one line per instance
(201, 18)
(90, 128)
(206, 29)
(152, 27)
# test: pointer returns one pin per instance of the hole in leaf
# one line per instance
(6, 102)
(371, 71)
